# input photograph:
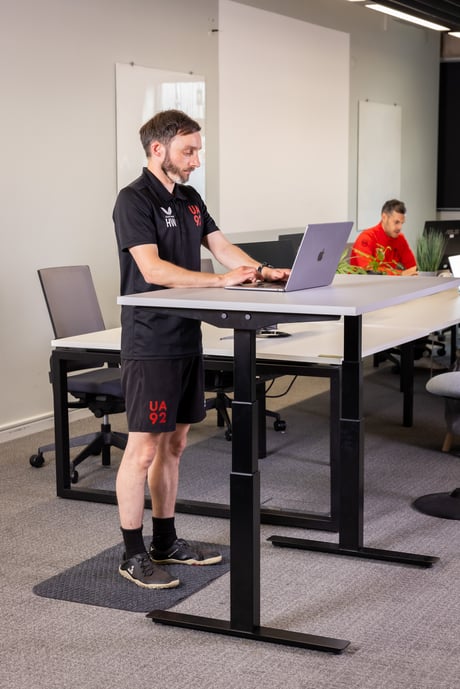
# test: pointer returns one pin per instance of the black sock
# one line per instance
(134, 543)
(164, 533)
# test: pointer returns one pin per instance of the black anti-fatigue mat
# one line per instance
(97, 582)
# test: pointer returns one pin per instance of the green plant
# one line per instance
(345, 266)
(378, 263)
(429, 251)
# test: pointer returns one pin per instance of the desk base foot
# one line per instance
(275, 636)
(443, 505)
(369, 553)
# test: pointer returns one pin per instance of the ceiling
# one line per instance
(445, 12)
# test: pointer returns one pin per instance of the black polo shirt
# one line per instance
(146, 213)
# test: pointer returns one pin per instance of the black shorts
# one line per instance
(162, 392)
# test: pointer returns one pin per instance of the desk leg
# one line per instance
(245, 524)
(61, 423)
(407, 382)
(351, 505)
(261, 420)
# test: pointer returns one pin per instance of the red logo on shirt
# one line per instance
(158, 411)
(195, 211)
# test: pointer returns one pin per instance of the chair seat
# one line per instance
(105, 381)
(445, 385)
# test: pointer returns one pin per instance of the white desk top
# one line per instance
(349, 295)
(317, 342)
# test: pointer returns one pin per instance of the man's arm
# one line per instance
(232, 256)
(408, 259)
(156, 271)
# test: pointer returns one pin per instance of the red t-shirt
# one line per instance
(395, 254)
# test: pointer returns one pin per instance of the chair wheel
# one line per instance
(228, 435)
(74, 476)
(37, 460)
(280, 425)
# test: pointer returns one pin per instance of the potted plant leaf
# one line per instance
(375, 264)
(344, 265)
(429, 251)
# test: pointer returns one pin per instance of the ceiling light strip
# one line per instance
(407, 17)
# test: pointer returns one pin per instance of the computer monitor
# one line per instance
(295, 239)
(278, 253)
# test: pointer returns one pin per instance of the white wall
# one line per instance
(57, 140)
(58, 171)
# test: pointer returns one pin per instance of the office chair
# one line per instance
(447, 385)
(220, 381)
(74, 309)
(445, 505)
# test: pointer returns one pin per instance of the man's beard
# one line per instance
(173, 173)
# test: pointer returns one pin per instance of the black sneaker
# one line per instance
(183, 553)
(140, 570)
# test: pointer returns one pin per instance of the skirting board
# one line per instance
(30, 426)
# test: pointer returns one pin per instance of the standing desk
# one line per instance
(313, 349)
(245, 312)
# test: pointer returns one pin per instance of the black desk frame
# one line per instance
(351, 501)
(245, 497)
(276, 516)
(245, 485)
(245, 512)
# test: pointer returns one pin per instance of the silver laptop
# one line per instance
(454, 262)
(316, 261)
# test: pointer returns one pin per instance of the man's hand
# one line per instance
(274, 274)
(237, 276)
(410, 271)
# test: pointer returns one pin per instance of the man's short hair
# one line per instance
(393, 205)
(164, 126)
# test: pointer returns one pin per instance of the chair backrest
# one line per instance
(207, 265)
(71, 300)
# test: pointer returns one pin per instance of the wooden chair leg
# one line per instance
(447, 444)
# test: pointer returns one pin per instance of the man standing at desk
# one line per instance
(160, 226)
(384, 248)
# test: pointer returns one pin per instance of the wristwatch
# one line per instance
(263, 265)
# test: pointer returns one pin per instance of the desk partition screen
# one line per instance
(283, 106)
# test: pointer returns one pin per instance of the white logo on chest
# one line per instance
(170, 220)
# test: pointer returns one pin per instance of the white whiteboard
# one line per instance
(283, 119)
(140, 93)
(379, 160)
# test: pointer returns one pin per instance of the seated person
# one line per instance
(384, 248)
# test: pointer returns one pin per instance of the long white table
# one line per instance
(349, 297)
(320, 342)
(313, 349)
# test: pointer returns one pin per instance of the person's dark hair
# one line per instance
(393, 205)
(164, 126)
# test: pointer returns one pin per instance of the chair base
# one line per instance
(221, 403)
(95, 444)
(444, 505)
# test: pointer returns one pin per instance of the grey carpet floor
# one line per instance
(403, 622)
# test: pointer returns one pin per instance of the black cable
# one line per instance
(273, 397)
